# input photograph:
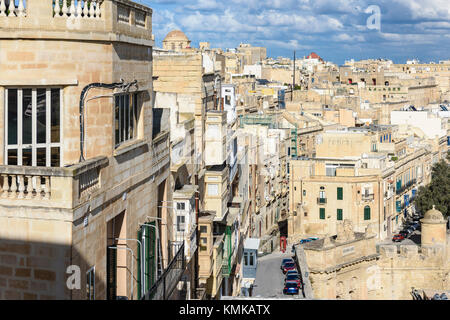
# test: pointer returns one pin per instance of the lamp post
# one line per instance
(142, 258)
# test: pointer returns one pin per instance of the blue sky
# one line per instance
(335, 29)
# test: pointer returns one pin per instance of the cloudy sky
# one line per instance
(335, 29)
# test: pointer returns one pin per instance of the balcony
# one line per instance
(166, 284)
(107, 20)
(215, 138)
(321, 200)
(65, 187)
(406, 186)
(367, 196)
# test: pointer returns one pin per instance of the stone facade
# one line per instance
(55, 217)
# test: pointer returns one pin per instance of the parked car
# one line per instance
(404, 233)
(290, 287)
(284, 261)
(293, 277)
(407, 231)
(398, 237)
(292, 272)
(289, 266)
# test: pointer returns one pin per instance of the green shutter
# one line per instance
(398, 205)
(147, 257)
(322, 213)
(151, 254)
(367, 213)
(139, 282)
(339, 214)
(340, 195)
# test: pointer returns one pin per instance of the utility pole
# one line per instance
(293, 78)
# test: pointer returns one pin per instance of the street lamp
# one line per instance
(142, 259)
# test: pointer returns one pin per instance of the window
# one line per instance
(33, 127)
(374, 147)
(90, 284)
(213, 189)
(366, 213)
(228, 100)
(340, 195)
(331, 171)
(180, 223)
(181, 206)
(246, 258)
(203, 229)
(251, 259)
(203, 244)
(339, 214)
(322, 194)
(125, 117)
(322, 213)
(304, 192)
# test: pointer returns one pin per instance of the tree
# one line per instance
(437, 192)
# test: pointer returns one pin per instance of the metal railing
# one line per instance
(367, 196)
(166, 284)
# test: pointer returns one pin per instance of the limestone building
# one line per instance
(351, 265)
(356, 174)
(83, 174)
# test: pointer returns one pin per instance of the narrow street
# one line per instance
(269, 281)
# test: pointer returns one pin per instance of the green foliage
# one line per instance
(297, 87)
(437, 192)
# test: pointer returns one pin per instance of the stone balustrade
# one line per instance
(80, 9)
(88, 182)
(86, 20)
(31, 185)
(8, 8)
(68, 184)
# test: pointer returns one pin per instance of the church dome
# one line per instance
(176, 35)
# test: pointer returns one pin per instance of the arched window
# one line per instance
(366, 213)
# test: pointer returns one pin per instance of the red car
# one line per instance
(398, 237)
(289, 266)
(293, 277)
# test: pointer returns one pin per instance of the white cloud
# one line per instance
(333, 26)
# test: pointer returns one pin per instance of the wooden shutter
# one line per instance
(322, 213)
(111, 273)
(140, 281)
(339, 214)
(340, 195)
